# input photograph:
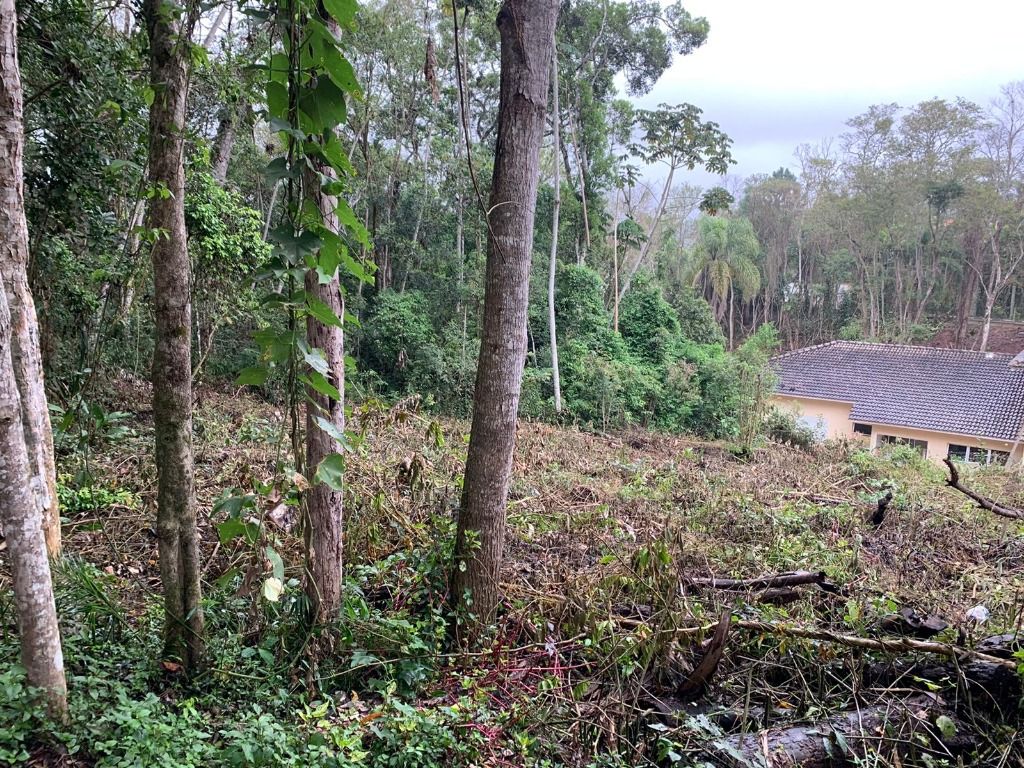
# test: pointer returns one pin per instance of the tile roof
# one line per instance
(945, 390)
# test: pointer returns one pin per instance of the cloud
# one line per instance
(775, 75)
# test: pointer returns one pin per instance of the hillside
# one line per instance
(613, 538)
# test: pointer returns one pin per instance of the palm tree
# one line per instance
(724, 262)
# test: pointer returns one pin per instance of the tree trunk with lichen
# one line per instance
(172, 355)
(527, 39)
(23, 510)
(25, 351)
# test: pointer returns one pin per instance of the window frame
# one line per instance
(920, 445)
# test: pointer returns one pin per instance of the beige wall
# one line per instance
(834, 417)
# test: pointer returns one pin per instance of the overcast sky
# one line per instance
(778, 74)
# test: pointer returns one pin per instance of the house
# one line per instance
(944, 402)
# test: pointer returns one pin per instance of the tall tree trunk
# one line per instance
(22, 516)
(527, 38)
(25, 351)
(615, 263)
(169, 57)
(646, 247)
(580, 165)
(224, 141)
(968, 298)
(324, 504)
(22, 526)
(553, 262)
(986, 327)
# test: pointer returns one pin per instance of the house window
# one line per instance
(921, 446)
(978, 455)
(861, 429)
(959, 452)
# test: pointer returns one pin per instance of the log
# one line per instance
(788, 579)
(991, 687)
(982, 501)
(885, 727)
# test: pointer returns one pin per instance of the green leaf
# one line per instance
(330, 258)
(255, 377)
(280, 125)
(946, 727)
(277, 69)
(348, 217)
(314, 359)
(276, 563)
(331, 471)
(322, 312)
(290, 244)
(333, 431)
(235, 527)
(278, 169)
(323, 106)
(334, 153)
(232, 506)
(277, 99)
(340, 71)
(342, 11)
(319, 383)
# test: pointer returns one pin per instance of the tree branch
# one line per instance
(983, 502)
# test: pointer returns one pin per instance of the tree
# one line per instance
(526, 28)
(22, 517)
(553, 261)
(1007, 248)
(724, 260)
(169, 28)
(14, 257)
(676, 136)
(325, 413)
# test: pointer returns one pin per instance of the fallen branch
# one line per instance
(886, 645)
(706, 669)
(788, 579)
(983, 502)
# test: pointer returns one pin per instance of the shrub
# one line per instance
(647, 322)
(696, 320)
(783, 427)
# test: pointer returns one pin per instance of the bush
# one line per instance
(782, 427)
(647, 322)
(696, 320)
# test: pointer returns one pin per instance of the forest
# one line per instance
(377, 389)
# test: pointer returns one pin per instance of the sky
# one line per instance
(778, 74)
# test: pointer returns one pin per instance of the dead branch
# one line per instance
(788, 579)
(888, 645)
(885, 645)
(706, 669)
(883, 505)
(983, 502)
